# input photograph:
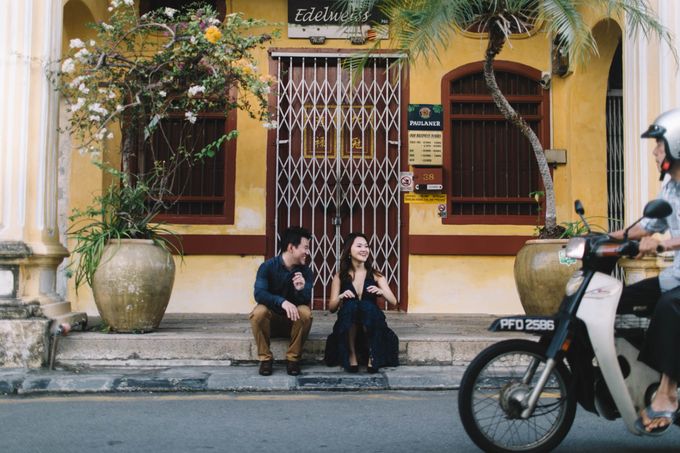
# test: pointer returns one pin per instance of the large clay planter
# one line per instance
(541, 273)
(132, 285)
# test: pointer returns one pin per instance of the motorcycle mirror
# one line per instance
(578, 207)
(657, 209)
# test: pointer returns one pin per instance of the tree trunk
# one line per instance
(128, 129)
(496, 42)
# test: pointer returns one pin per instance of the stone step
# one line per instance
(218, 340)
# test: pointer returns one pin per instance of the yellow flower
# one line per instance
(245, 66)
(212, 34)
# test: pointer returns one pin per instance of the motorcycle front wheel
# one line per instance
(493, 388)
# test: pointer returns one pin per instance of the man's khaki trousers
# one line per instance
(266, 323)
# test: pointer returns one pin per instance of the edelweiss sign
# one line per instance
(325, 18)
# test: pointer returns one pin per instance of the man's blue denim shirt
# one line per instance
(274, 284)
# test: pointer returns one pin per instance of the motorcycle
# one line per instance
(521, 395)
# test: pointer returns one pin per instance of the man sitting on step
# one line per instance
(283, 292)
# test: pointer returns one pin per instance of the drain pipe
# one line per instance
(61, 331)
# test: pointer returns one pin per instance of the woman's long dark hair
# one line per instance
(346, 259)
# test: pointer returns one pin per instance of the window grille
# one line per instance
(491, 166)
(200, 192)
(615, 174)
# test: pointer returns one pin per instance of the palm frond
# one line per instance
(641, 18)
(573, 35)
(425, 27)
(516, 16)
(566, 24)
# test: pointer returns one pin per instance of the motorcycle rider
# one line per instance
(661, 348)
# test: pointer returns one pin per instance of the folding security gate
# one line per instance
(337, 152)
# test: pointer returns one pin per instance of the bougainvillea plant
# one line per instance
(136, 72)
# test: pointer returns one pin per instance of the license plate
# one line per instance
(524, 324)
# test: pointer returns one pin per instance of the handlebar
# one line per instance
(630, 248)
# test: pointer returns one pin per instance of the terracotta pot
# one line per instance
(541, 273)
(132, 285)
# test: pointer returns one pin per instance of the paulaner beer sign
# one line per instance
(307, 18)
(425, 134)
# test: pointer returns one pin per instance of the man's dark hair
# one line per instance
(293, 235)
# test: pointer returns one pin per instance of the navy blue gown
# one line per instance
(374, 339)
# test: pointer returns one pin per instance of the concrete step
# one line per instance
(219, 340)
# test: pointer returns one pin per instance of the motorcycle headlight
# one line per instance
(576, 248)
(574, 283)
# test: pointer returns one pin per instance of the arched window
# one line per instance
(489, 166)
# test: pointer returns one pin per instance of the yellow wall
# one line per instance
(579, 125)
(435, 284)
(463, 284)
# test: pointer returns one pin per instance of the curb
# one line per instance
(225, 379)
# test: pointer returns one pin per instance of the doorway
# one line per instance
(336, 158)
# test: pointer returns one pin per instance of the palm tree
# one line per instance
(424, 26)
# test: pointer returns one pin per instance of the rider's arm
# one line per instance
(649, 245)
(670, 244)
(637, 232)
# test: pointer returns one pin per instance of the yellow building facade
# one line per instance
(438, 265)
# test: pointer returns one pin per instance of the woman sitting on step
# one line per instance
(360, 335)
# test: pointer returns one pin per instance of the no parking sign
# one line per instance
(406, 181)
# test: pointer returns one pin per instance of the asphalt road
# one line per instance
(302, 422)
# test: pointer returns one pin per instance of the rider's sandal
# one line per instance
(652, 415)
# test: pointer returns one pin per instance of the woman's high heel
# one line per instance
(353, 369)
(372, 369)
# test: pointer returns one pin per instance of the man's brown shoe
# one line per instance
(266, 367)
(293, 368)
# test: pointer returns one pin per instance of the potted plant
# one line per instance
(423, 27)
(136, 73)
(542, 268)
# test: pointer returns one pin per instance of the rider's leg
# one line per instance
(665, 399)
(661, 351)
(640, 297)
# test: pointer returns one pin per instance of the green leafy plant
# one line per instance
(566, 229)
(137, 72)
(537, 195)
(578, 228)
(123, 211)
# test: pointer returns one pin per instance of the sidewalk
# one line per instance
(200, 352)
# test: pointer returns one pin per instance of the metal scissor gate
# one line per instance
(338, 147)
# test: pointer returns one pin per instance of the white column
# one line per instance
(651, 85)
(30, 44)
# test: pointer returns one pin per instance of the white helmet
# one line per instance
(667, 128)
